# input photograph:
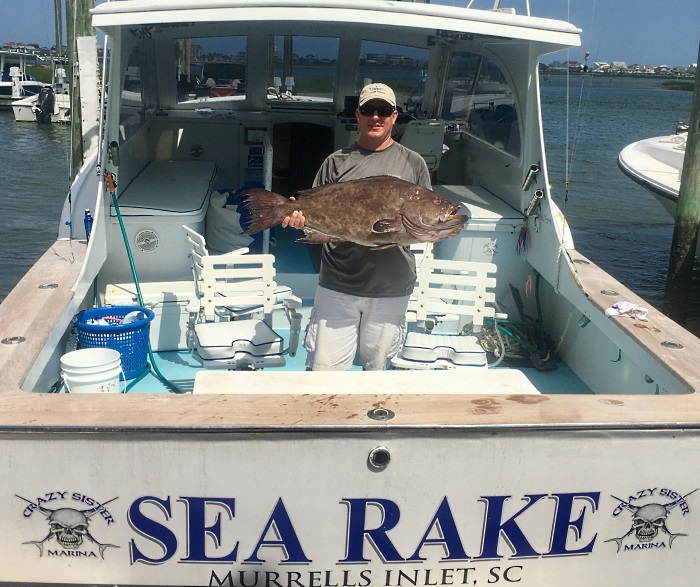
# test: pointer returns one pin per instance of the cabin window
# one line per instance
(211, 68)
(480, 99)
(401, 67)
(303, 68)
(131, 107)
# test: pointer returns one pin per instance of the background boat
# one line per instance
(15, 83)
(656, 163)
(51, 104)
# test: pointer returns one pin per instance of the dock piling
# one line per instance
(685, 231)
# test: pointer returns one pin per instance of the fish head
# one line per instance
(432, 218)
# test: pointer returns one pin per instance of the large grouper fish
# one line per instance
(377, 212)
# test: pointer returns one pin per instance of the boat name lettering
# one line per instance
(150, 517)
(366, 577)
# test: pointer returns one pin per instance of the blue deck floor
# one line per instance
(180, 368)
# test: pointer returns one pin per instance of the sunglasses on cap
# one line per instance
(382, 111)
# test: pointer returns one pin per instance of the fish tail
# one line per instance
(265, 209)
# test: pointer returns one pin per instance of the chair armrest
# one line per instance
(221, 259)
(294, 317)
(291, 301)
(193, 306)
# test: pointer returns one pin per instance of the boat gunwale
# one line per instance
(26, 411)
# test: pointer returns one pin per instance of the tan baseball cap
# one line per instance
(377, 92)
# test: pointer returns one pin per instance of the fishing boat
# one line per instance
(15, 82)
(657, 164)
(539, 426)
(51, 104)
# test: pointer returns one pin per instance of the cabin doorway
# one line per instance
(299, 148)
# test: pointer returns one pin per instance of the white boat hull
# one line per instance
(25, 109)
(568, 464)
(657, 164)
(452, 507)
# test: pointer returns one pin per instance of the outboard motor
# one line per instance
(45, 104)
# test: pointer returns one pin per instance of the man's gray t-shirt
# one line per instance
(355, 269)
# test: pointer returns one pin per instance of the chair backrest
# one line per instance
(197, 246)
(197, 251)
(463, 288)
(426, 137)
(244, 281)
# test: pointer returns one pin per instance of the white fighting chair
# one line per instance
(458, 295)
(231, 320)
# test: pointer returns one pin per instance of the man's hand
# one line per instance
(296, 220)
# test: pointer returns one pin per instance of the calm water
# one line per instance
(614, 222)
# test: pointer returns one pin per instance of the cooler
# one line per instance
(154, 206)
(167, 300)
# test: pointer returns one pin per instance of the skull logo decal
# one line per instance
(648, 519)
(70, 527)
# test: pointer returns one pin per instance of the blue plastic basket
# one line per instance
(131, 340)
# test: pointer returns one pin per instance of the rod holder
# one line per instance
(530, 177)
(113, 152)
(536, 199)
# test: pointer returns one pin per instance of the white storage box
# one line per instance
(154, 206)
(167, 300)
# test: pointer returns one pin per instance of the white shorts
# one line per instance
(343, 325)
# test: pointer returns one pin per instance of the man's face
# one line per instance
(376, 119)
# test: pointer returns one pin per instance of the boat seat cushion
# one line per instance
(460, 350)
(237, 339)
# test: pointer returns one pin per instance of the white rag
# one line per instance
(628, 309)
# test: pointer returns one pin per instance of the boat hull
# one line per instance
(25, 110)
(458, 506)
(656, 164)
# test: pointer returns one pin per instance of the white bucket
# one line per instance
(92, 371)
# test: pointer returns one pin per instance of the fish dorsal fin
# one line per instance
(384, 225)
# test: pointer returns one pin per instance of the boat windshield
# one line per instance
(400, 66)
(303, 68)
(479, 99)
(211, 67)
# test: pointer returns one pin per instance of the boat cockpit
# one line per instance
(200, 108)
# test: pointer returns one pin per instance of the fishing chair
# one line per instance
(448, 307)
(231, 320)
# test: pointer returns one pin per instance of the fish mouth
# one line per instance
(449, 213)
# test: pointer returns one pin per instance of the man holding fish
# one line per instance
(370, 201)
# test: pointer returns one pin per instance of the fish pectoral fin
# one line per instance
(384, 225)
(316, 237)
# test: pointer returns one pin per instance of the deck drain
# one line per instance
(13, 340)
(672, 345)
(48, 286)
(380, 414)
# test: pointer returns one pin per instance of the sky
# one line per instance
(658, 32)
